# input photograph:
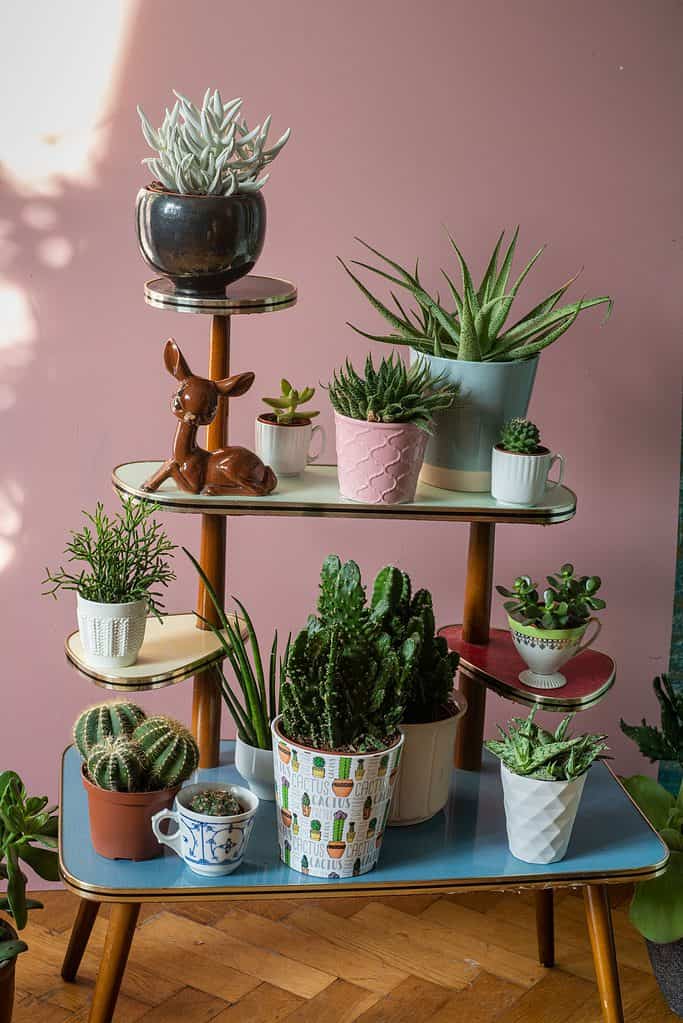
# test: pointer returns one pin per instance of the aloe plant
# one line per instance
(533, 752)
(475, 329)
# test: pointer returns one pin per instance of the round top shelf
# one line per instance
(250, 294)
(590, 675)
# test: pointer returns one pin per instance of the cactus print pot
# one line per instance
(378, 463)
(546, 650)
(121, 822)
(332, 808)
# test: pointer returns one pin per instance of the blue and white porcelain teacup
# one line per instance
(209, 845)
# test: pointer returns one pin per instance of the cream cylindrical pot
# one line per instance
(256, 767)
(539, 815)
(111, 634)
(332, 808)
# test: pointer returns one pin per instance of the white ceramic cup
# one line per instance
(286, 448)
(209, 846)
(523, 479)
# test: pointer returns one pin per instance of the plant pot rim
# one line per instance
(544, 781)
(241, 793)
(333, 753)
(113, 603)
(269, 419)
(532, 630)
(454, 713)
(13, 936)
(542, 450)
(259, 749)
(127, 798)
(379, 426)
(156, 188)
(478, 362)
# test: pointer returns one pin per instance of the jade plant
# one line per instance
(346, 683)
(409, 619)
(28, 834)
(392, 393)
(657, 905)
(567, 603)
(125, 751)
(125, 558)
(209, 150)
(256, 705)
(520, 437)
(528, 750)
(474, 328)
(286, 406)
(665, 742)
(215, 803)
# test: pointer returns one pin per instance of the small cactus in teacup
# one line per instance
(216, 803)
(171, 750)
(286, 406)
(118, 765)
(113, 718)
(520, 436)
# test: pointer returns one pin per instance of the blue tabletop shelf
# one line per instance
(464, 846)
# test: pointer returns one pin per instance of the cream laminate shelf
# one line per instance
(170, 653)
(316, 493)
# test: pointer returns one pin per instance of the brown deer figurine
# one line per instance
(195, 404)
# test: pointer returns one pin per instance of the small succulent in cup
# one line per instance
(392, 393)
(216, 803)
(528, 750)
(520, 436)
(286, 407)
(567, 603)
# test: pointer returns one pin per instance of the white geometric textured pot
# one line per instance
(546, 650)
(256, 767)
(523, 479)
(111, 634)
(423, 784)
(539, 815)
(286, 447)
(332, 808)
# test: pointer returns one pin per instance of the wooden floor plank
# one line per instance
(341, 1002)
(553, 1000)
(188, 1006)
(265, 1004)
(480, 1002)
(414, 1001)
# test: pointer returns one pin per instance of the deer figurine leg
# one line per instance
(160, 476)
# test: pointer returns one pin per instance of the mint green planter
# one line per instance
(458, 455)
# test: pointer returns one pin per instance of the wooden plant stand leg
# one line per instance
(475, 629)
(80, 934)
(599, 918)
(120, 933)
(545, 927)
(206, 701)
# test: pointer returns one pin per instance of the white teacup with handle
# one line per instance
(286, 447)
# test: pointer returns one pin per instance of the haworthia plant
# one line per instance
(474, 329)
(531, 751)
(209, 150)
(117, 718)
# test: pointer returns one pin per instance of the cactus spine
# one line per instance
(119, 765)
(103, 720)
(171, 750)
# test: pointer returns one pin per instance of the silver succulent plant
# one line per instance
(209, 150)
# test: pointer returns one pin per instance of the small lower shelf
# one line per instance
(170, 653)
(590, 675)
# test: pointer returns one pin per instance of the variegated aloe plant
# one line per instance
(476, 328)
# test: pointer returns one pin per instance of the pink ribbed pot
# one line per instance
(378, 463)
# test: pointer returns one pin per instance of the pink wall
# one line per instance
(405, 117)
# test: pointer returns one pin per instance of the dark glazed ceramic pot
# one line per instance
(202, 242)
(7, 973)
(667, 963)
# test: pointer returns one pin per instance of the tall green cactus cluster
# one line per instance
(347, 682)
(409, 620)
(125, 751)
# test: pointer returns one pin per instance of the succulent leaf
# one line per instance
(529, 750)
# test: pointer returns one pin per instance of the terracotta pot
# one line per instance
(121, 822)
(7, 973)
(336, 849)
(342, 787)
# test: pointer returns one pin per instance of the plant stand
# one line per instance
(450, 863)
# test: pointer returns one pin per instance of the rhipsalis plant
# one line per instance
(474, 328)
(410, 617)
(519, 436)
(346, 685)
(392, 393)
(286, 407)
(567, 603)
(665, 742)
(209, 150)
(125, 558)
(255, 707)
(531, 751)
(216, 803)
(28, 834)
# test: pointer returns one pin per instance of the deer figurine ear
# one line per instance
(175, 362)
(236, 385)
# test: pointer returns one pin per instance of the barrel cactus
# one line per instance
(520, 437)
(97, 723)
(171, 750)
(118, 764)
(215, 803)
